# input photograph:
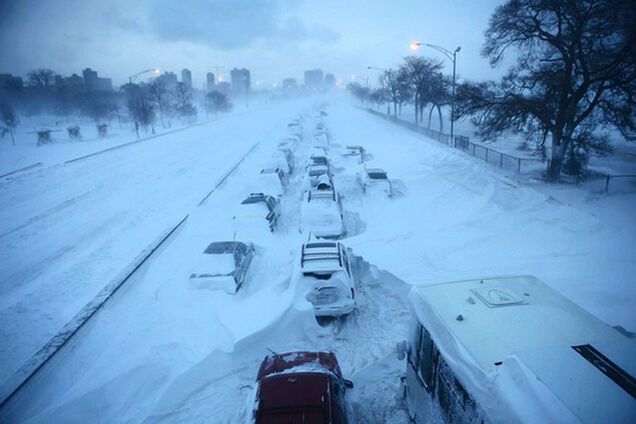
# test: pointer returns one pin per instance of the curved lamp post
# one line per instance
(134, 77)
(452, 56)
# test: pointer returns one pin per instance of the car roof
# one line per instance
(303, 361)
(220, 247)
(320, 256)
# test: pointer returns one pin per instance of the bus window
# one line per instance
(425, 362)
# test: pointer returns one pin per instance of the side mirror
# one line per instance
(348, 384)
(402, 349)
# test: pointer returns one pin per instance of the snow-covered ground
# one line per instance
(166, 351)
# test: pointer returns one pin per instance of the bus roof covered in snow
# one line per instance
(550, 356)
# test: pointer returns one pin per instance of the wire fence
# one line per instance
(463, 143)
(623, 182)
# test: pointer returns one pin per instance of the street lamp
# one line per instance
(134, 77)
(452, 56)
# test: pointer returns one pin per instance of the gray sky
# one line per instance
(273, 38)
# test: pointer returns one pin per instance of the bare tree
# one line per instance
(183, 102)
(9, 119)
(419, 72)
(159, 94)
(575, 73)
(216, 102)
(397, 87)
(359, 92)
(140, 107)
(41, 78)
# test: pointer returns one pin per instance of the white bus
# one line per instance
(511, 349)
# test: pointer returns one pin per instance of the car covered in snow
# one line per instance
(321, 210)
(223, 266)
(356, 152)
(273, 181)
(258, 209)
(512, 349)
(326, 272)
(300, 387)
(375, 180)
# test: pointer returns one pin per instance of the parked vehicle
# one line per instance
(259, 208)
(321, 210)
(273, 181)
(326, 270)
(512, 349)
(223, 266)
(375, 180)
(357, 152)
(301, 388)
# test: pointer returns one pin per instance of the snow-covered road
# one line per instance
(165, 351)
(66, 230)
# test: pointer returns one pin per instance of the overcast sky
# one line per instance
(273, 38)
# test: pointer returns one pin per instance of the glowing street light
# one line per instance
(155, 71)
(452, 56)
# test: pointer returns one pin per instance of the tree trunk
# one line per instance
(441, 122)
(559, 146)
(395, 109)
(12, 137)
(430, 113)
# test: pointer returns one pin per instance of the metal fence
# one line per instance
(492, 156)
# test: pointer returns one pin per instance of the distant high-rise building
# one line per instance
(94, 83)
(73, 81)
(330, 80)
(290, 84)
(186, 77)
(210, 81)
(169, 80)
(314, 79)
(90, 79)
(240, 80)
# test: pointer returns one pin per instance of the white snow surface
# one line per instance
(164, 352)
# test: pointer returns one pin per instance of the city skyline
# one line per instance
(290, 36)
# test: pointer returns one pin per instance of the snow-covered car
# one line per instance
(356, 152)
(258, 209)
(326, 271)
(300, 387)
(273, 181)
(321, 211)
(375, 180)
(223, 266)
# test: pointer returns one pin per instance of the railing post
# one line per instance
(607, 181)
(487, 154)
(500, 160)
(518, 165)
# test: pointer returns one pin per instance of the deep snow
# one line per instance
(164, 351)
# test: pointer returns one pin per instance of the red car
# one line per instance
(301, 387)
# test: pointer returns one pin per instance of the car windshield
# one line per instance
(377, 175)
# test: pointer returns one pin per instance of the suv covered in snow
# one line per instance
(326, 269)
(322, 210)
(301, 387)
(375, 180)
(223, 266)
(259, 207)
